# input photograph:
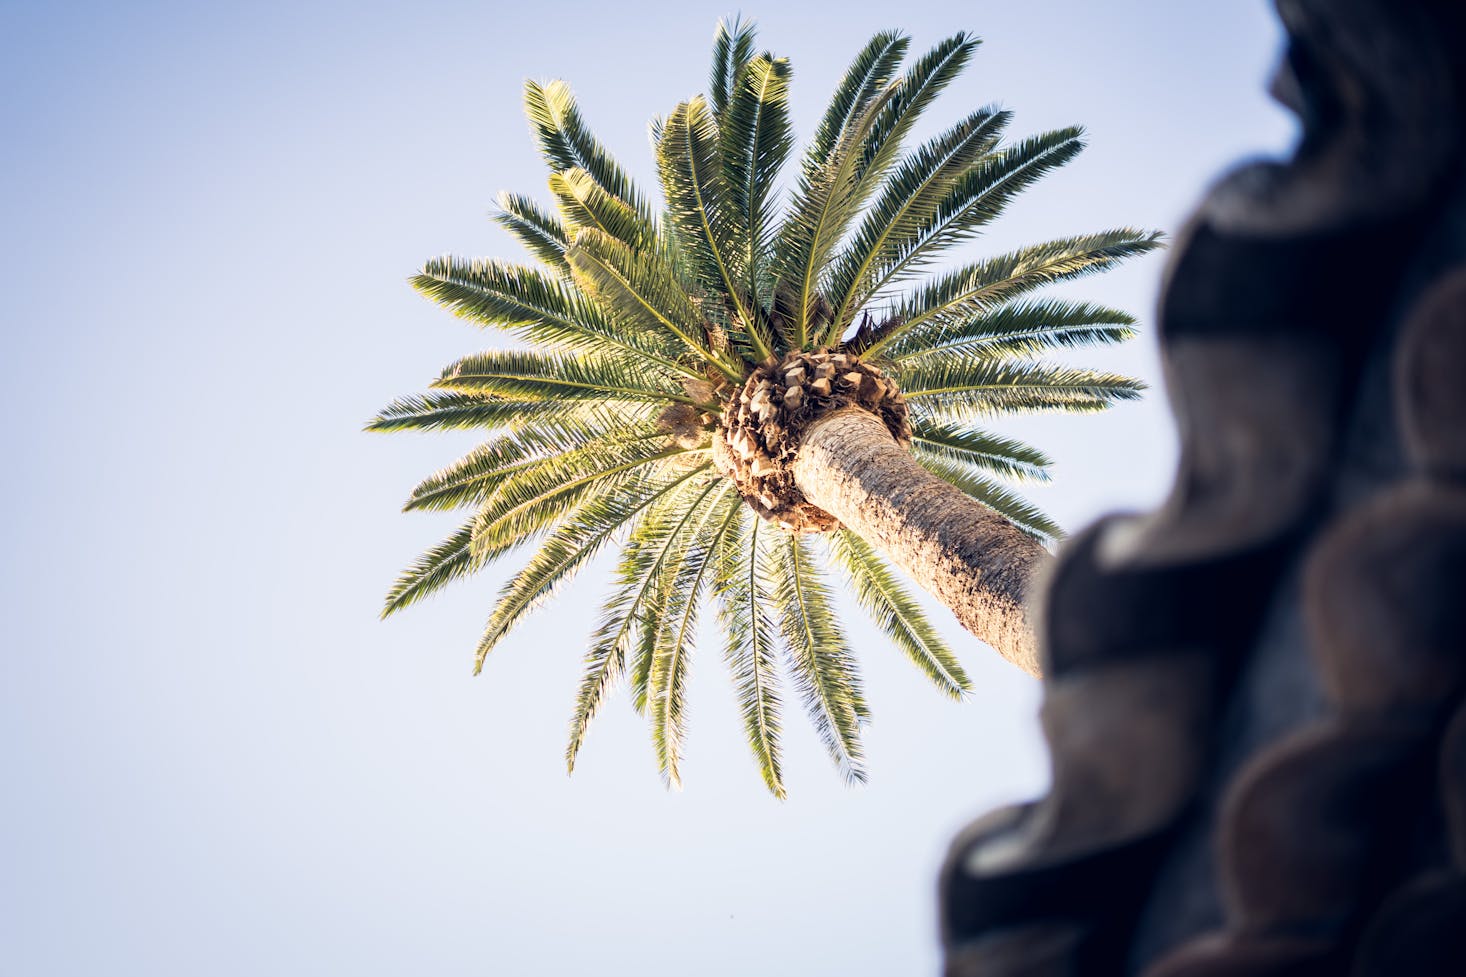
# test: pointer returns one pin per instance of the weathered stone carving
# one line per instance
(1256, 695)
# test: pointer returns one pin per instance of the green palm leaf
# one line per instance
(745, 618)
(732, 49)
(517, 375)
(818, 657)
(756, 139)
(537, 309)
(825, 204)
(893, 610)
(659, 542)
(908, 203)
(974, 199)
(448, 411)
(534, 497)
(700, 207)
(580, 536)
(987, 284)
(470, 480)
(438, 567)
(644, 294)
(583, 203)
(1019, 329)
(869, 73)
(539, 231)
(666, 688)
(969, 388)
(567, 143)
(993, 453)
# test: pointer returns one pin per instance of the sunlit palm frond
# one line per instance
(986, 284)
(1004, 457)
(745, 616)
(964, 389)
(469, 480)
(1018, 329)
(819, 659)
(893, 119)
(895, 612)
(667, 681)
(583, 203)
(568, 144)
(539, 231)
(733, 45)
(908, 204)
(825, 204)
(536, 308)
(657, 545)
(870, 72)
(439, 410)
(523, 375)
(535, 496)
(755, 142)
(439, 566)
(699, 205)
(643, 295)
(582, 533)
(973, 199)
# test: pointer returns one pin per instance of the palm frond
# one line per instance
(1018, 329)
(911, 94)
(470, 480)
(869, 73)
(522, 375)
(536, 308)
(756, 139)
(1006, 457)
(667, 685)
(732, 49)
(565, 551)
(819, 659)
(537, 495)
(825, 203)
(567, 143)
(643, 294)
(656, 544)
(979, 287)
(893, 610)
(447, 411)
(583, 203)
(966, 388)
(539, 231)
(974, 200)
(700, 207)
(909, 201)
(745, 618)
(448, 561)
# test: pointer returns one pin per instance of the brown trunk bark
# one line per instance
(964, 554)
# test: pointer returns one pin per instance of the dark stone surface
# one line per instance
(1279, 651)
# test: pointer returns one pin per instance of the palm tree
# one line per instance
(711, 388)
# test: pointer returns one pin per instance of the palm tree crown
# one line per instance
(671, 359)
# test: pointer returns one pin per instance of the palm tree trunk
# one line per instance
(964, 554)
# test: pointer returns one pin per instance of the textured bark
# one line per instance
(964, 554)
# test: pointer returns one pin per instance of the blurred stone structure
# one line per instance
(1255, 697)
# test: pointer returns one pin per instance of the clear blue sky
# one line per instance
(215, 759)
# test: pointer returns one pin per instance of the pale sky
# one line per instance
(216, 759)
